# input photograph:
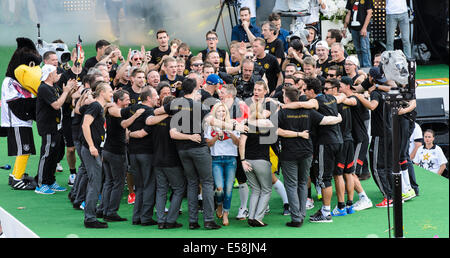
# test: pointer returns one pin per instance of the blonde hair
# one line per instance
(216, 107)
(100, 88)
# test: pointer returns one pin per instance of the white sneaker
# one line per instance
(309, 203)
(72, 179)
(242, 214)
(59, 168)
(362, 204)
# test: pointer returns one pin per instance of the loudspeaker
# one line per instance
(430, 107)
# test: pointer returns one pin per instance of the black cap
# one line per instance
(347, 80)
(375, 73)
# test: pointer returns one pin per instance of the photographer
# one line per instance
(245, 81)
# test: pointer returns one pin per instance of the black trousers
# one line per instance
(52, 151)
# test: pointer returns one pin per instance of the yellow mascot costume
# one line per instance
(18, 109)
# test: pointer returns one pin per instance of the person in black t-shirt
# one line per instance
(141, 155)
(274, 45)
(345, 160)
(271, 67)
(212, 40)
(171, 76)
(360, 141)
(188, 116)
(92, 140)
(294, 126)
(100, 47)
(381, 143)
(77, 73)
(168, 170)
(49, 102)
(114, 161)
(338, 58)
(360, 14)
(137, 79)
(160, 51)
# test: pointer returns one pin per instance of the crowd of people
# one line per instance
(167, 121)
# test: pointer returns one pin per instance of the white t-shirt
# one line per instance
(224, 147)
(250, 4)
(430, 159)
(396, 6)
(11, 89)
(416, 135)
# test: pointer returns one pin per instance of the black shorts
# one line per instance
(20, 141)
(345, 160)
(67, 132)
(327, 160)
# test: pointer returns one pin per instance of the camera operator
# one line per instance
(245, 80)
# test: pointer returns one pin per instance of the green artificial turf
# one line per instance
(52, 216)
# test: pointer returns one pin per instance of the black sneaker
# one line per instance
(152, 222)
(22, 184)
(161, 225)
(295, 224)
(211, 225)
(113, 218)
(173, 225)
(194, 225)
(319, 217)
(95, 224)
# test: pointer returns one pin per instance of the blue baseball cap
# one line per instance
(214, 79)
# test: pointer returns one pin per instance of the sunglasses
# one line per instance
(331, 75)
(183, 56)
(329, 88)
(136, 59)
(196, 65)
(249, 57)
(110, 63)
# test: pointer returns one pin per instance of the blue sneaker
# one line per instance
(83, 204)
(350, 209)
(44, 189)
(339, 212)
(57, 188)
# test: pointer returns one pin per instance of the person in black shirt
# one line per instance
(345, 159)
(160, 51)
(77, 73)
(141, 155)
(338, 58)
(212, 39)
(274, 45)
(92, 140)
(381, 143)
(294, 126)
(168, 169)
(114, 161)
(171, 76)
(360, 141)
(100, 47)
(187, 131)
(271, 67)
(137, 79)
(254, 148)
(245, 80)
(49, 102)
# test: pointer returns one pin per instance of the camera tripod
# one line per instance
(232, 10)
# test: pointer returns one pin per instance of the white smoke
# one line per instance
(187, 20)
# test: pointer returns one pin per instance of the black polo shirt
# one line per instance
(271, 68)
(139, 145)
